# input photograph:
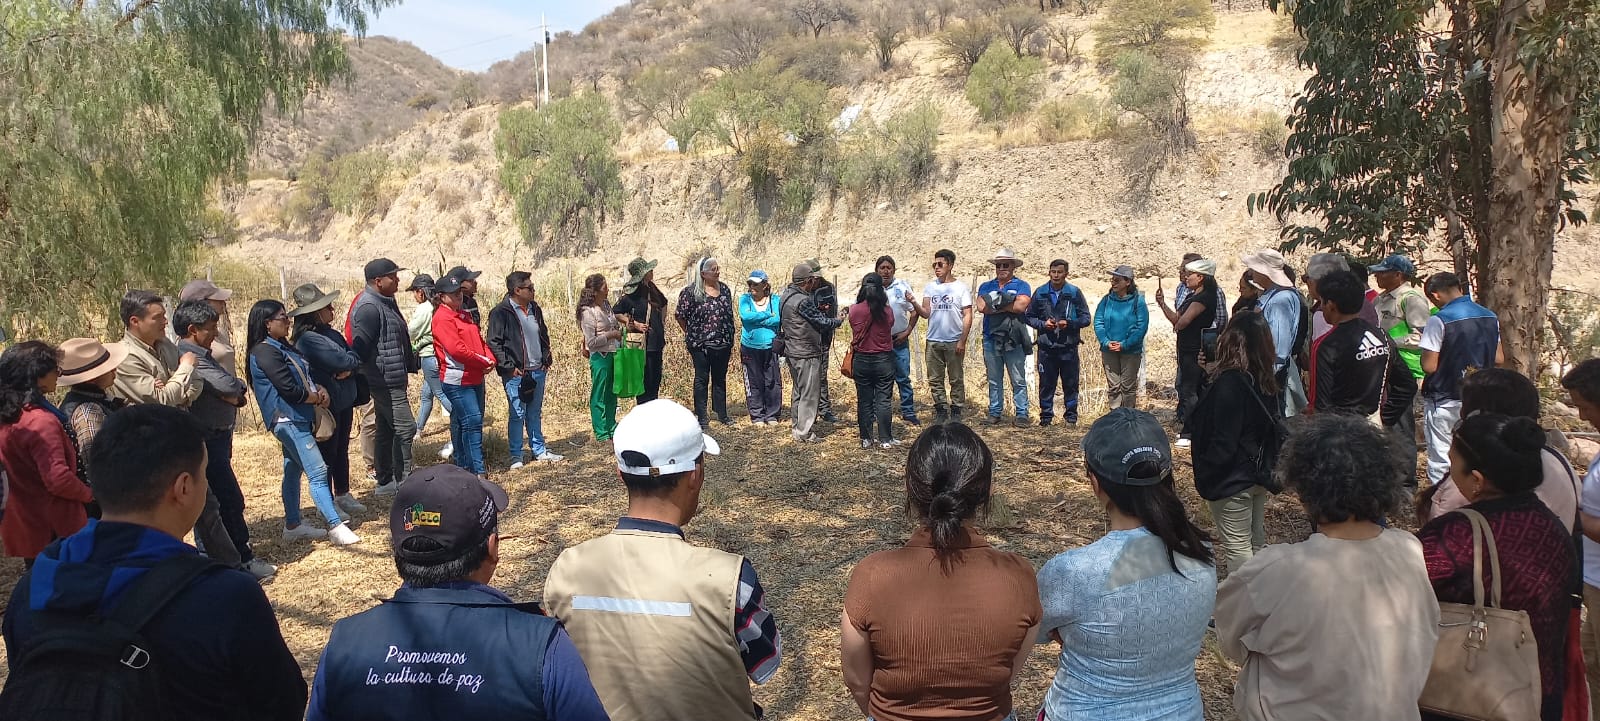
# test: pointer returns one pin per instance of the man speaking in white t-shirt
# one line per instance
(947, 304)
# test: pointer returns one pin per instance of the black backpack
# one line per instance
(1265, 457)
(82, 668)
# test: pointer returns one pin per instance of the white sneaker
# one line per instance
(444, 453)
(349, 504)
(516, 465)
(1182, 443)
(261, 569)
(548, 457)
(341, 535)
(304, 530)
(386, 489)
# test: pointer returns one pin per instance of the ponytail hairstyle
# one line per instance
(590, 295)
(21, 367)
(949, 472)
(255, 326)
(1507, 450)
(1161, 512)
(697, 284)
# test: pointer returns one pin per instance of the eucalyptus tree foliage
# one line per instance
(1465, 135)
(117, 123)
(559, 163)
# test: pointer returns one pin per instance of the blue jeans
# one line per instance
(525, 416)
(466, 425)
(432, 388)
(902, 378)
(300, 455)
(998, 365)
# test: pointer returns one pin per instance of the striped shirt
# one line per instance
(753, 625)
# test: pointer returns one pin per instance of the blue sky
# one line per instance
(474, 34)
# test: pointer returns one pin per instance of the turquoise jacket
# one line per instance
(760, 326)
(1123, 320)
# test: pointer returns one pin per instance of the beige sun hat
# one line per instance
(1267, 262)
(1006, 255)
(85, 359)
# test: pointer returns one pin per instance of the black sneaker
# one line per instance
(911, 420)
(1043, 422)
(1022, 421)
(830, 417)
(992, 421)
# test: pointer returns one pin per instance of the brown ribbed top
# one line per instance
(943, 639)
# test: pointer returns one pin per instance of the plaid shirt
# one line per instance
(753, 625)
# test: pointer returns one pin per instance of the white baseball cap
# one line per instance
(666, 434)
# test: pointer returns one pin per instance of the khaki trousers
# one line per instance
(945, 364)
(1122, 378)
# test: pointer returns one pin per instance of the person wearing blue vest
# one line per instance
(1002, 301)
(1058, 311)
(1463, 337)
(449, 645)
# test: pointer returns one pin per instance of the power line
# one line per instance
(485, 41)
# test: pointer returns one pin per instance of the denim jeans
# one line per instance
(525, 418)
(466, 425)
(998, 365)
(396, 429)
(300, 455)
(874, 377)
(902, 378)
(225, 486)
(432, 387)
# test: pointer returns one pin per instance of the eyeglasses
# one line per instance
(280, 316)
(524, 287)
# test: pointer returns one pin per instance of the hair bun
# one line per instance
(945, 505)
(1523, 435)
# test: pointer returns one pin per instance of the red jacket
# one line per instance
(47, 496)
(463, 356)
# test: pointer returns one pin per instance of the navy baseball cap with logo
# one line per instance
(447, 505)
(1123, 439)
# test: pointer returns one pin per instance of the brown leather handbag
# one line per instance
(1486, 666)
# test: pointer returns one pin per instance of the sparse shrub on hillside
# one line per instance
(300, 210)
(777, 124)
(832, 61)
(891, 158)
(560, 165)
(422, 101)
(357, 184)
(1085, 7)
(1003, 85)
(1270, 135)
(463, 152)
(1065, 39)
(964, 44)
(817, 15)
(468, 92)
(449, 199)
(1172, 30)
(471, 126)
(660, 95)
(1155, 91)
(1072, 118)
(1018, 24)
(736, 37)
(886, 32)
(943, 11)
(218, 226)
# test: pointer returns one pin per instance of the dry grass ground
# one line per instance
(803, 513)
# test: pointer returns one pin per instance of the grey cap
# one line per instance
(1122, 439)
(1322, 264)
(1123, 271)
(803, 271)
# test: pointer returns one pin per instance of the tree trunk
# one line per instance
(1528, 142)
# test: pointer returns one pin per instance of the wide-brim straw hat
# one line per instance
(309, 298)
(1005, 255)
(85, 359)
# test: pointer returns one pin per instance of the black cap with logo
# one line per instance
(1123, 439)
(447, 505)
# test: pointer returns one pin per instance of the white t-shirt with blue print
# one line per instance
(1130, 630)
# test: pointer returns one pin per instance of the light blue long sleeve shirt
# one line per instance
(759, 327)
(1281, 308)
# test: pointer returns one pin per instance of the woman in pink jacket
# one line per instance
(36, 448)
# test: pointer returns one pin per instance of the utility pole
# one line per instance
(544, 98)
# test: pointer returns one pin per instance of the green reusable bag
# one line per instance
(627, 369)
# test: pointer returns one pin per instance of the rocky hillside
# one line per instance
(371, 106)
(996, 186)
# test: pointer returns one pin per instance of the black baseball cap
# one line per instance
(381, 267)
(448, 505)
(447, 284)
(1122, 439)
(423, 281)
(461, 272)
